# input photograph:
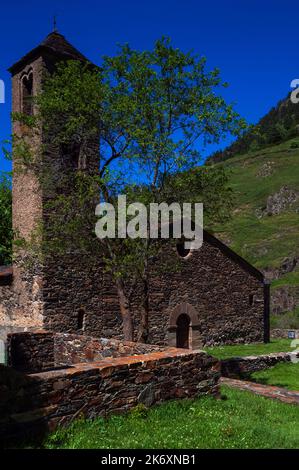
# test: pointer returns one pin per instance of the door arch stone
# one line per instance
(184, 310)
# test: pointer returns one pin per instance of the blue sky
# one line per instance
(253, 42)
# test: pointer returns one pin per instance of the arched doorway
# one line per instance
(184, 328)
(182, 332)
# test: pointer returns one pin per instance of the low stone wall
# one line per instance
(36, 351)
(284, 333)
(31, 351)
(242, 367)
(40, 402)
(73, 349)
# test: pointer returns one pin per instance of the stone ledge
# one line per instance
(119, 362)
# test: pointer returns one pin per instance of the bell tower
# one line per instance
(27, 298)
(27, 78)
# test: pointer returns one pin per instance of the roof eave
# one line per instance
(234, 256)
(36, 52)
(39, 51)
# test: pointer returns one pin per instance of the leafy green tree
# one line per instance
(6, 221)
(150, 112)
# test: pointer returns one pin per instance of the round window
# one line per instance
(182, 251)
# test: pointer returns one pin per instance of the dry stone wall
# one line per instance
(40, 402)
(242, 367)
(73, 349)
(36, 351)
(31, 351)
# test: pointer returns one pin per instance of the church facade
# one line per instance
(215, 297)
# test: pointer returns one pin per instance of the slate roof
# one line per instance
(55, 44)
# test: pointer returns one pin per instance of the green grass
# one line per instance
(281, 375)
(242, 420)
(289, 279)
(252, 349)
(287, 320)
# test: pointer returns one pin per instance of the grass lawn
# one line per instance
(282, 375)
(242, 420)
(253, 349)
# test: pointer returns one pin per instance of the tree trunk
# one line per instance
(143, 330)
(128, 329)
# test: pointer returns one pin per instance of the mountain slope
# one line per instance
(264, 227)
(278, 125)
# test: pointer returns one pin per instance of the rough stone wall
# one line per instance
(242, 367)
(72, 285)
(31, 351)
(27, 207)
(217, 287)
(41, 402)
(21, 304)
(42, 350)
(73, 349)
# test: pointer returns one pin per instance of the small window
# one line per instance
(182, 251)
(251, 299)
(27, 94)
(81, 320)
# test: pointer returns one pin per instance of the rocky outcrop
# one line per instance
(284, 299)
(288, 265)
(266, 170)
(280, 201)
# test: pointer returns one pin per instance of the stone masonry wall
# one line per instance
(241, 367)
(31, 351)
(73, 349)
(37, 351)
(228, 300)
(42, 401)
(21, 303)
(72, 285)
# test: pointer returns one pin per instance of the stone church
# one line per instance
(215, 297)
